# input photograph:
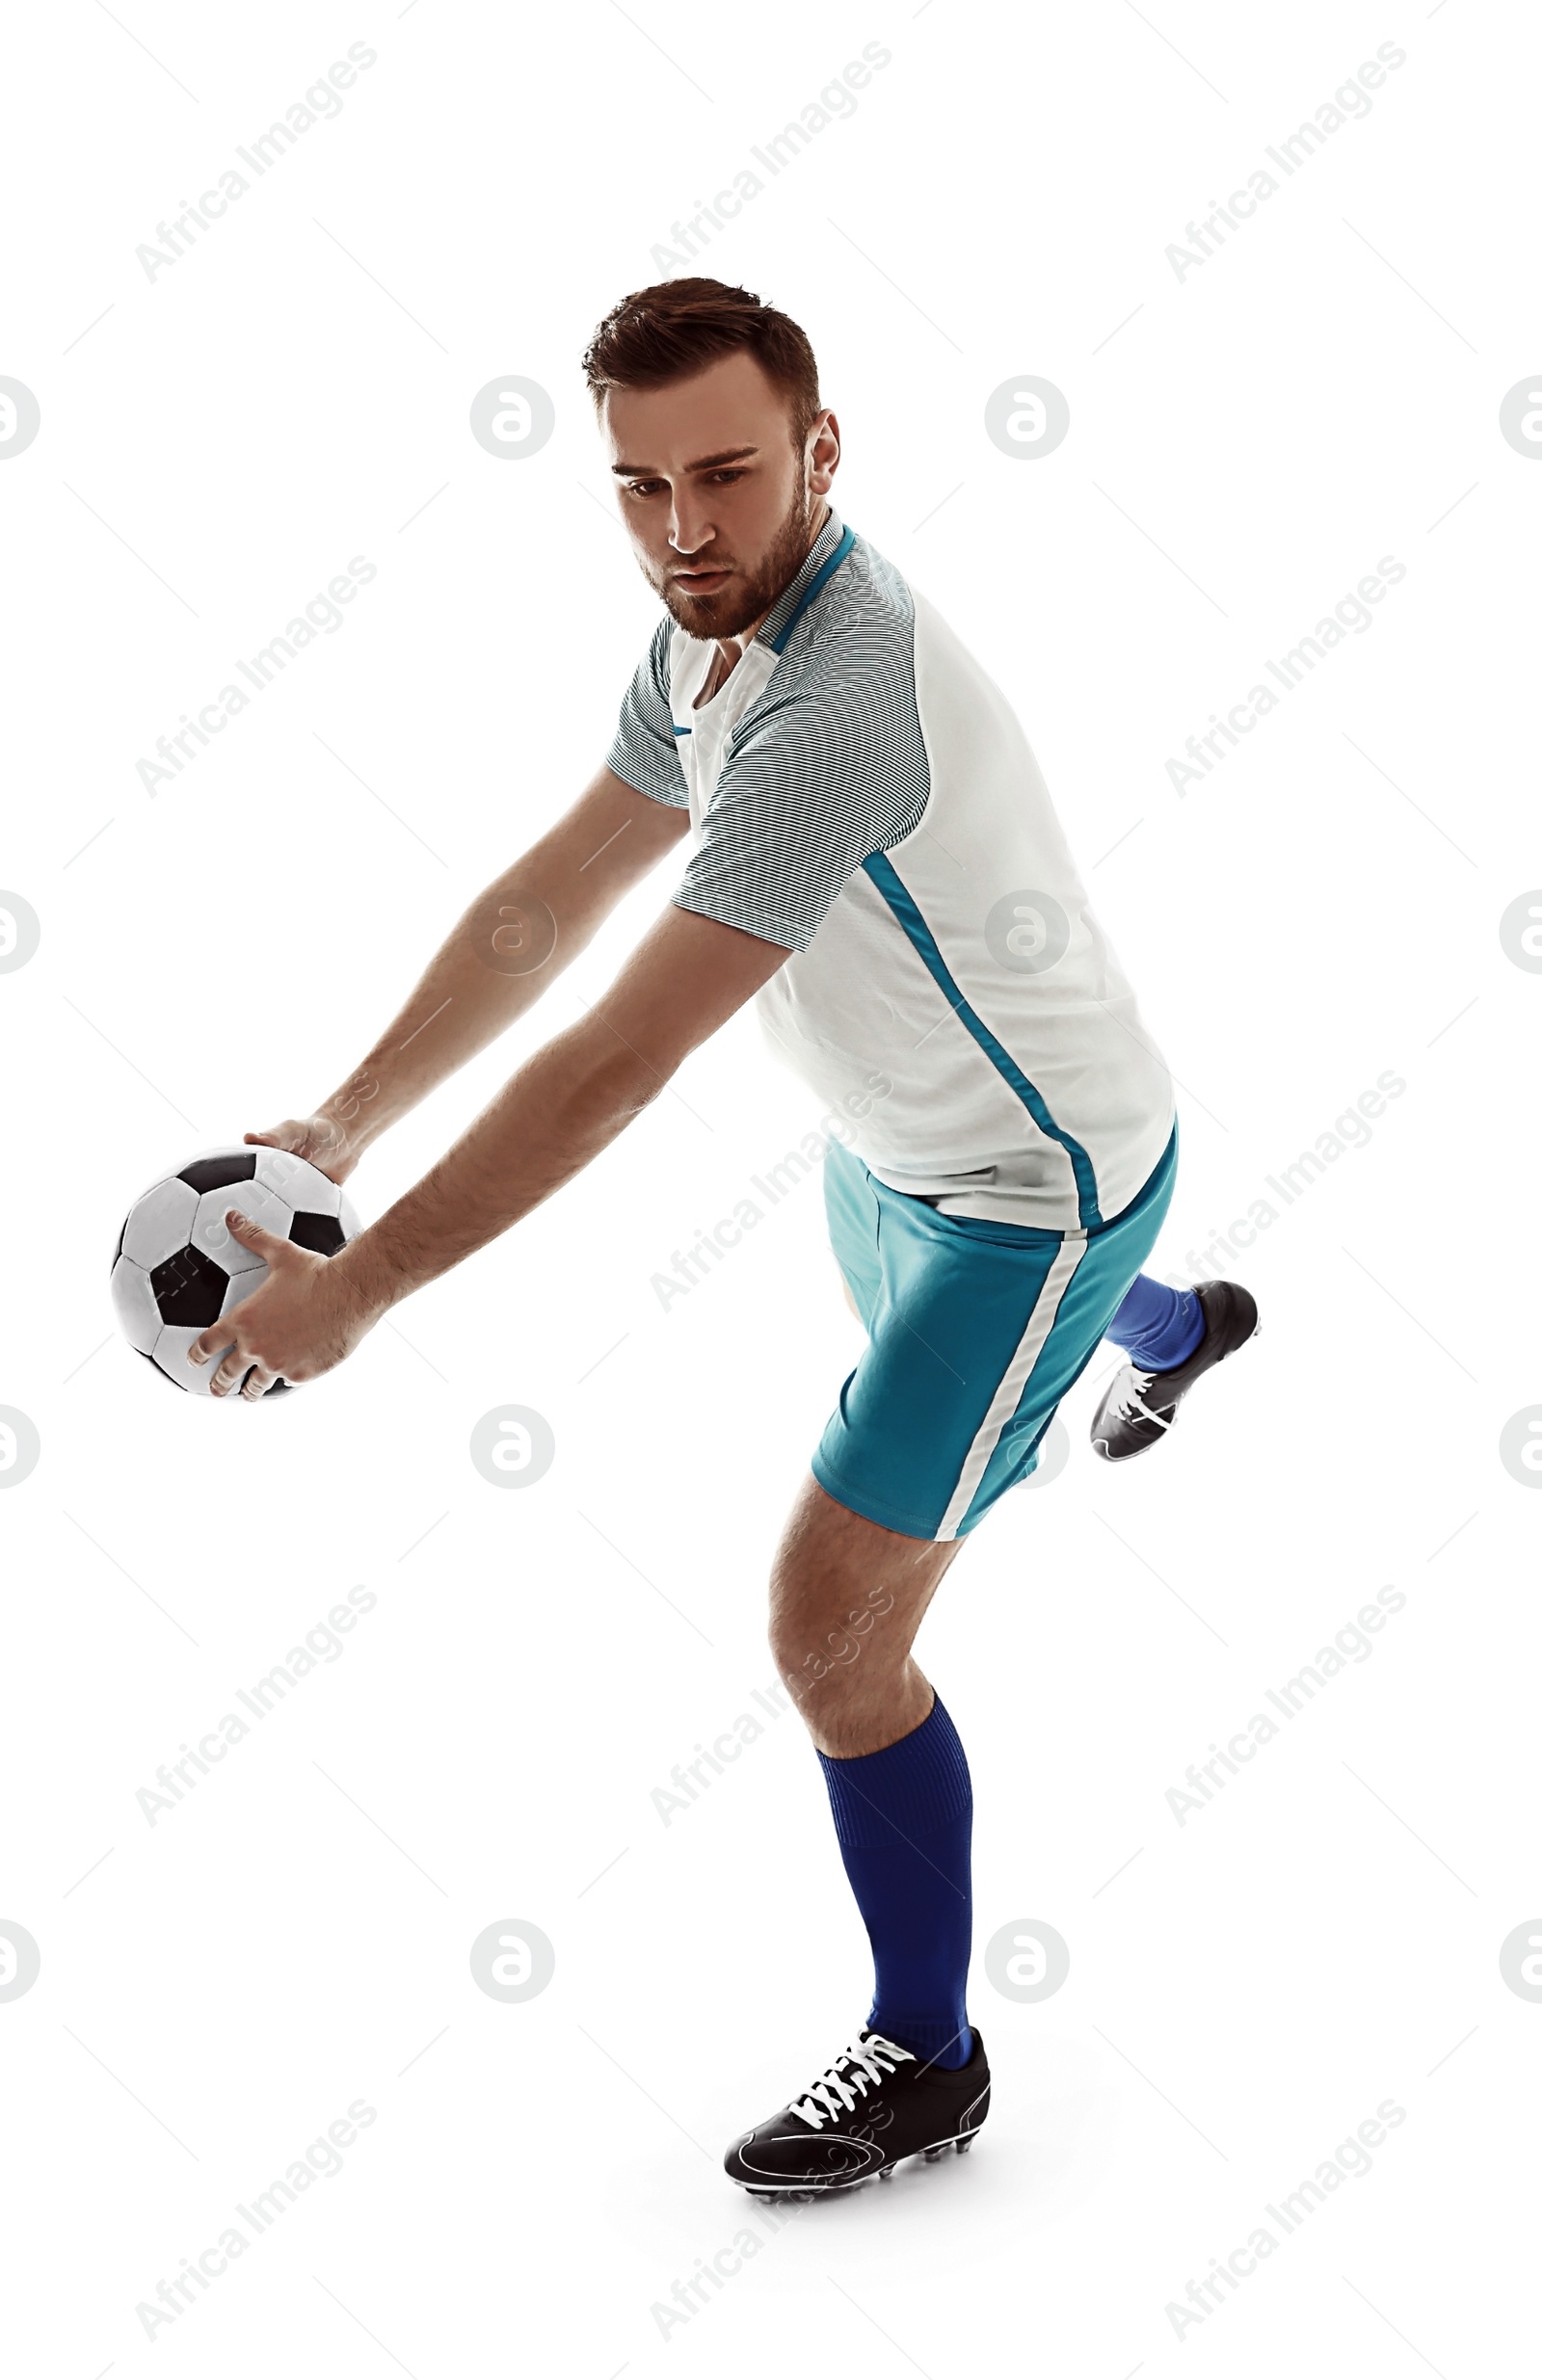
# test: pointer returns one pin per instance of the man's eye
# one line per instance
(725, 479)
(642, 487)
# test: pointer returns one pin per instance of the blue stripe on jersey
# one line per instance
(778, 643)
(897, 893)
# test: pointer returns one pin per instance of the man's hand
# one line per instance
(304, 1319)
(321, 1139)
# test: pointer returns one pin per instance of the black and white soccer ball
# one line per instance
(177, 1267)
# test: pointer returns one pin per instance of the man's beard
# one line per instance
(746, 598)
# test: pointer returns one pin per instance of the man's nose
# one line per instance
(689, 529)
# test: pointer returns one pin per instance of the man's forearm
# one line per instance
(562, 1106)
(514, 940)
(463, 1000)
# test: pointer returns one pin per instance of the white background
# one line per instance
(1246, 443)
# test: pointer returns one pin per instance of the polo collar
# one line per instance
(824, 557)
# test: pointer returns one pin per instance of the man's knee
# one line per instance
(818, 1642)
(847, 1597)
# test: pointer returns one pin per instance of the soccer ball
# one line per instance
(177, 1267)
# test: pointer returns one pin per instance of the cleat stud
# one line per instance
(932, 2155)
(963, 2146)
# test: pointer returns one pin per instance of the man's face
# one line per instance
(720, 506)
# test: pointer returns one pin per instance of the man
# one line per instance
(876, 860)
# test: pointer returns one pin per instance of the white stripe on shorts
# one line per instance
(1014, 1379)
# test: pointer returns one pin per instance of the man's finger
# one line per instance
(230, 1373)
(263, 1243)
(261, 1380)
(211, 1341)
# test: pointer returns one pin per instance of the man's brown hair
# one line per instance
(678, 327)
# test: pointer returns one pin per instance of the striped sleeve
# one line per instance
(643, 754)
(814, 785)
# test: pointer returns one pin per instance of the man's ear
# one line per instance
(823, 452)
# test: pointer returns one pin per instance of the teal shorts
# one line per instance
(975, 1331)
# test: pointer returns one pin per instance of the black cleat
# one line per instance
(1139, 1408)
(876, 2104)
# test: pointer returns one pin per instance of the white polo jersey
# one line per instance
(862, 794)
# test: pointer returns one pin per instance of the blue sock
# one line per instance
(902, 1819)
(1158, 1328)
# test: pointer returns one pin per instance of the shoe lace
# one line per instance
(833, 2093)
(1129, 1398)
